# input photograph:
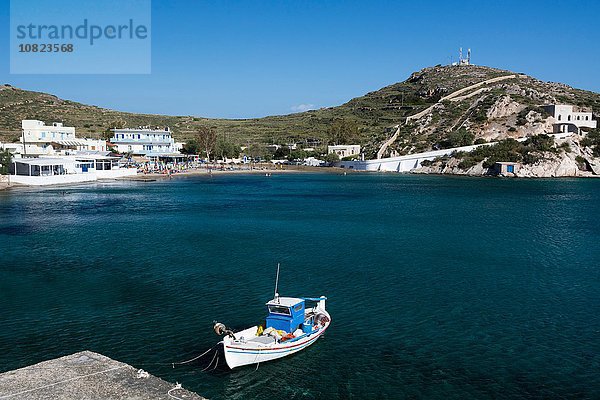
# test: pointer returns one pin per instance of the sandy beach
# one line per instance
(261, 170)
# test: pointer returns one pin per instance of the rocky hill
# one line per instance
(502, 109)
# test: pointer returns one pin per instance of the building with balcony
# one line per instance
(144, 141)
(38, 139)
(570, 119)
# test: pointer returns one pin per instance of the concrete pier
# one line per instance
(86, 375)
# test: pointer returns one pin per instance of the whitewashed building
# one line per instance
(49, 171)
(14, 148)
(144, 141)
(44, 170)
(344, 150)
(52, 154)
(37, 139)
(570, 119)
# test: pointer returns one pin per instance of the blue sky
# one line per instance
(243, 59)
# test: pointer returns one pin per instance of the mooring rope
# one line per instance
(177, 387)
(211, 361)
(197, 357)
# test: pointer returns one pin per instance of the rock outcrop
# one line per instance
(569, 159)
(503, 107)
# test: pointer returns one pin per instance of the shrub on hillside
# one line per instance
(581, 163)
(467, 163)
(540, 143)
(592, 140)
(458, 138)
(528, 152)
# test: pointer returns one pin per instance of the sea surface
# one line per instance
(438, 287)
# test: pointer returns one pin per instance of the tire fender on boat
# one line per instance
(321, 319)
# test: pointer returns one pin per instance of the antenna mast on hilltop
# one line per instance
(461, 60)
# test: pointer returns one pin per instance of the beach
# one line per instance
(237, 170)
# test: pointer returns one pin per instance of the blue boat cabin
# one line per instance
(286, 314)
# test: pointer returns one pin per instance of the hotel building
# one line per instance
(37, 139)
(144, 141)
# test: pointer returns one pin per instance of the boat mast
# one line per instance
(277, 283)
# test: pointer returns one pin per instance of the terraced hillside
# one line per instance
(497, 110)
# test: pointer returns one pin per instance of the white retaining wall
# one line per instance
(53, 179)
(70, 178)
(115, 173)
(404, 163)
(412, 161)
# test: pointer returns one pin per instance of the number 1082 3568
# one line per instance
(46, 48)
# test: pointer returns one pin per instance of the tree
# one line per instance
(297, 155)
(191, 147)
(282, 152)
(225, 149)
(342, 131)
(207, 139)
(257, 151)
(5, 160)
(112, 148)
(332, 158)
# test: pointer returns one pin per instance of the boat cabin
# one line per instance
(285, 313)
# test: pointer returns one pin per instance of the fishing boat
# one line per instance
(292, 324)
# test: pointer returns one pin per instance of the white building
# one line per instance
(144, 141)
(313, 162)
(14, 148)
(37, 139)
(42, 171)
(569, 119)
(49, 171)
(344, 150)
(52, 154)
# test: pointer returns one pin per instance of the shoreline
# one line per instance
(154, 176)
(295, 169)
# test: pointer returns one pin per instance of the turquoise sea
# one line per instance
(439, 287)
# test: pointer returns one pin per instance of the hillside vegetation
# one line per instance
(497, 111)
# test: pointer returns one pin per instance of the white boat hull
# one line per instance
(240, 352)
